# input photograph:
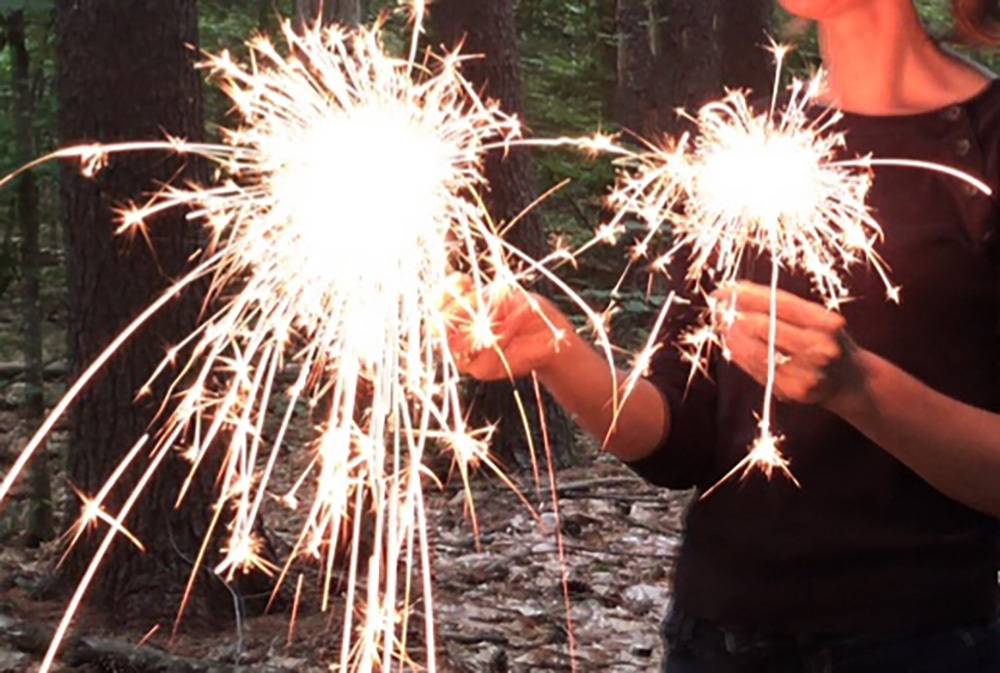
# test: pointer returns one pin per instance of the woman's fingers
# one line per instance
(753, 298)
(511, 324)
(815, 346)
(749, 353)
(796, 379)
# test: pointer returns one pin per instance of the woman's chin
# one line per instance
(819, 10)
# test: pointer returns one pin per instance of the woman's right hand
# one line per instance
(527, 332)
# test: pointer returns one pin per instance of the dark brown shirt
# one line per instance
(865, 545)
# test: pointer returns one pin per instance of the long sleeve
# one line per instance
(685, 457)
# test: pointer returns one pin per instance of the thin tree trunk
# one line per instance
(125, 72)
(689, 66)
(344, 12)
(39, 526)
(637, 30)
(746, 63)
(8, 258)
(488, 30)
(265, 10)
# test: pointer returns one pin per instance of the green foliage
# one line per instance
(224, 25)
(39, 16)
(568, 56)
(27, 6)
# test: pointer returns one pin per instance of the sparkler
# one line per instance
(750, 182)
(345, 202)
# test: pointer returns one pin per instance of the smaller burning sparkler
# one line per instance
(767, 183)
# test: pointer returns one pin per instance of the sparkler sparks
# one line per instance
(346, 200)
(758, 183)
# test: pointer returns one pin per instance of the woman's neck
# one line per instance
(881, 61)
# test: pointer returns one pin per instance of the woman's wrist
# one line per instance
(855, 399)
(566, 351)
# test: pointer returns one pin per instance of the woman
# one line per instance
(886, 558)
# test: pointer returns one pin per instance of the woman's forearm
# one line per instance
(953, 446)
(582, 383)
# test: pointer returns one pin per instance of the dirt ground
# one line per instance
(499, 604)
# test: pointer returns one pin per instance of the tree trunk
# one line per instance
(682, 53)
(638, 31)
(344, 12)
(39, 527)
(8, 257)
(746, 63)
(488, 30)
(689, 67)
(125, 73)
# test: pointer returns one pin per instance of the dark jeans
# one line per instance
(693, 646)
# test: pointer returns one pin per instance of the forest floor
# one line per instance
(499, 602)
(499, 605)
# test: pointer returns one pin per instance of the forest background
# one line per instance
(569, 67)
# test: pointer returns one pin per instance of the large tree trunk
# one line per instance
(488, 31)
(126, 72)
(39, 527)
(681, 53)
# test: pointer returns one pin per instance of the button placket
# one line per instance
(964, 147)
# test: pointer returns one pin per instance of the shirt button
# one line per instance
(989, 237)
(952, 113)
(963, 146)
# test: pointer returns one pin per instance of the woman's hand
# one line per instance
(521, 333)
(817, 363)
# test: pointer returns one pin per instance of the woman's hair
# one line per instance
(977, 21)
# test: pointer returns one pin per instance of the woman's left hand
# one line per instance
(817, 362)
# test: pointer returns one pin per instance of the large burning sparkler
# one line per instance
(754, 182)
(347, 200)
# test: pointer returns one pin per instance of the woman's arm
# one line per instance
(581, 382)
(955, 447)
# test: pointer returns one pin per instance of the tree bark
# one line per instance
(125, 72)
(488, 30)
(39, 526)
